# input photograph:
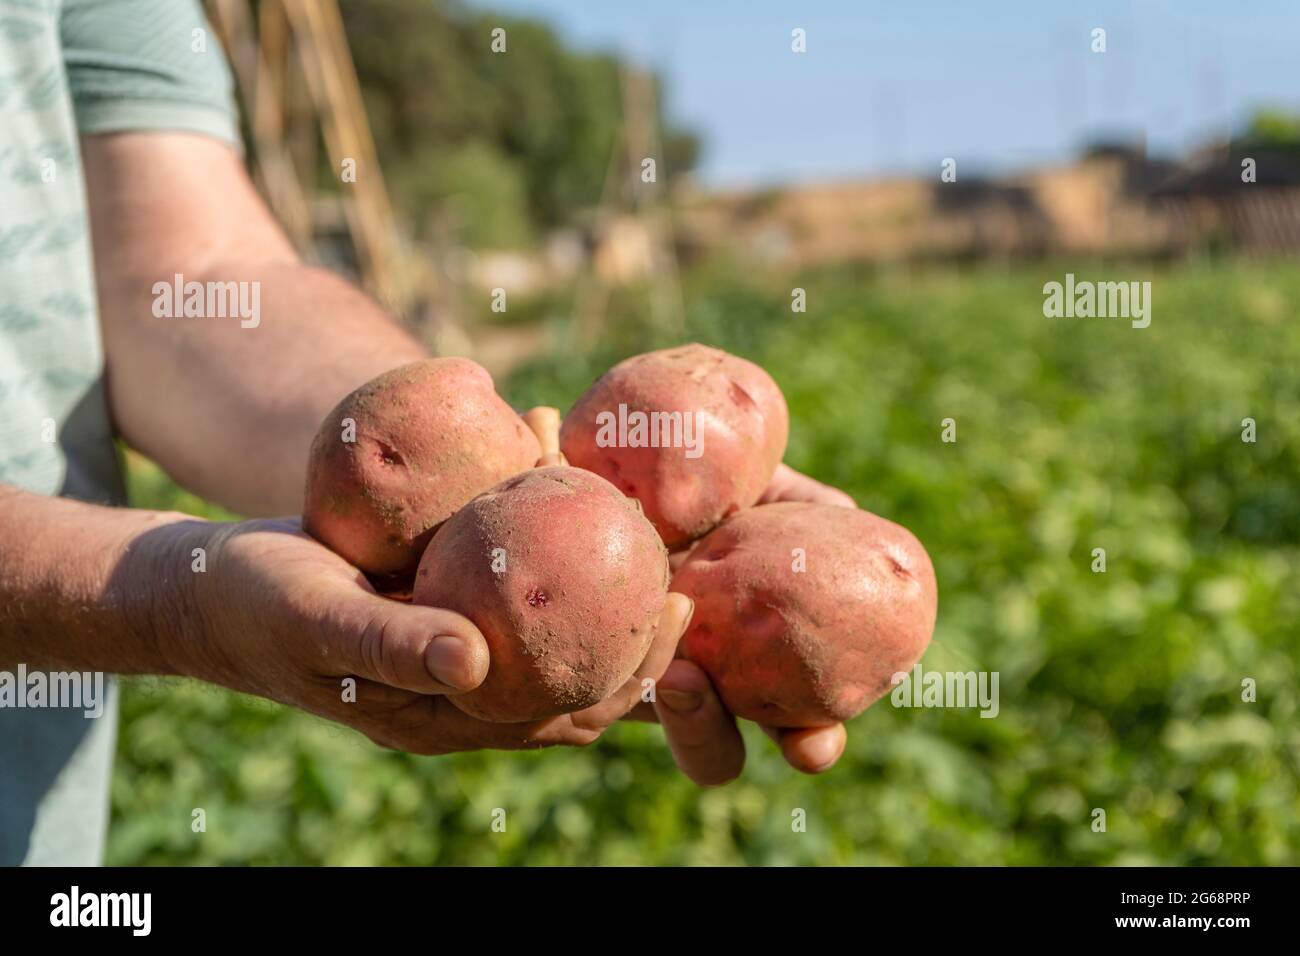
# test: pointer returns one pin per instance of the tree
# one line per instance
(489, 136)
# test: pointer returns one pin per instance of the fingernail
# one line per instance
(444, 659)
(680, 701)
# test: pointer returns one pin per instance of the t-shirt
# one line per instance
(70, 67)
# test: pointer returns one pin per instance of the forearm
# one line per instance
(226, 404)
(230, 411)
(84, 587)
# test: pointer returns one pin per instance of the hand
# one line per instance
(278, 615)
(704, 738)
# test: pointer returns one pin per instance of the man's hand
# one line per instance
(281, 616)
(147, 191)
(261, 608)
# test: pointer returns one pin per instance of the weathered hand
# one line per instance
(279, 615)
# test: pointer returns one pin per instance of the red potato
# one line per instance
(427, 438)
(730, 412)
(565, 578)
(806, 648)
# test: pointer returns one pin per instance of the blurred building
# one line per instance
(1114, 200)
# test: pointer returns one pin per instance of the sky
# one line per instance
(897, 87)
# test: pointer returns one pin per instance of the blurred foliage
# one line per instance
(1274, 128)
(1119, 690)
(489, 140)
(478, 191)
(151, 488)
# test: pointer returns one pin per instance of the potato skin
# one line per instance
(574, 611)
(745, 425)
(429, 437)
(806, 649)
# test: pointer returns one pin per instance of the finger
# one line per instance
(672, 624)
(453, 730)
(545, 424)
(426, 650)
(790, 485)
(460, 731)
(810, 749)
(703, 737)
(821, 493)
(421, 724)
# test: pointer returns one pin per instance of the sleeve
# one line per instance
(147, 65)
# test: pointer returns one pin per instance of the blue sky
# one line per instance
(898, 86)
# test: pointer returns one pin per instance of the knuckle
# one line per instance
(376, 648)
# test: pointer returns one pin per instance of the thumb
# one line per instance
(545, 424)
(427, 650)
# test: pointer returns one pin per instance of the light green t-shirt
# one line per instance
(70, 67)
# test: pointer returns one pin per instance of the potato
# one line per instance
(714, 430)
(806, 648)
(565, 578)
(426, 438)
